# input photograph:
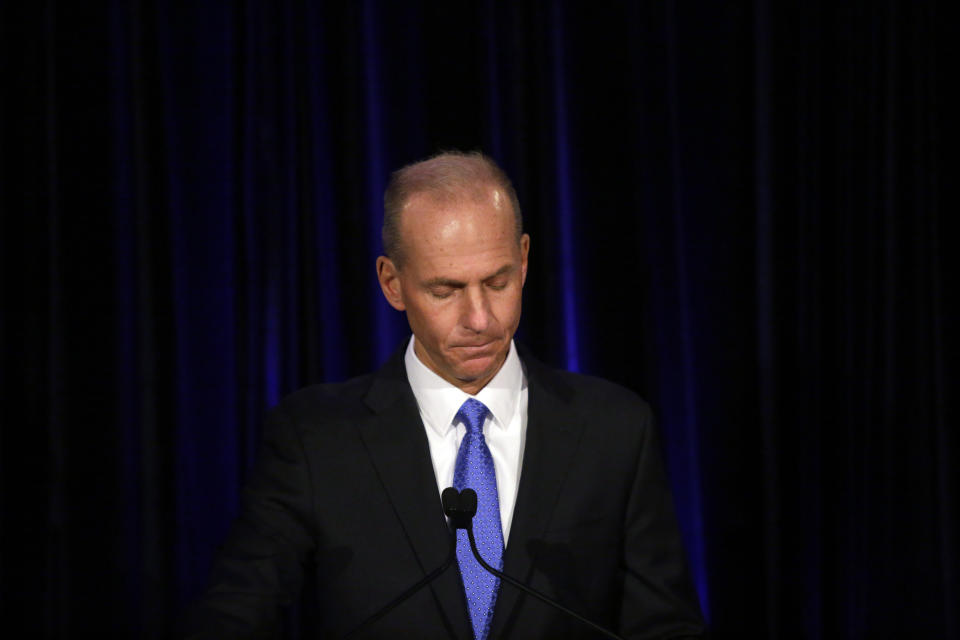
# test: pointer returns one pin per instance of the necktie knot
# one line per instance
(472, 413)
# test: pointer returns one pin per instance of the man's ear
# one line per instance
(389, 279)
(524, 252)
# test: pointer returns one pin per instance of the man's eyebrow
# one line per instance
(507, 268)
(444, 282)
(457, 284)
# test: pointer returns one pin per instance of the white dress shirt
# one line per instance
(505, 427)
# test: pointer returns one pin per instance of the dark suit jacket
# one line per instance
(344, 492)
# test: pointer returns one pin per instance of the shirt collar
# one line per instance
(439, 400)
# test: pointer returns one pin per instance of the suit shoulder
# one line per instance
(324, 399)
(593, 393)
(618, 421)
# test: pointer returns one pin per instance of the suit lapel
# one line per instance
(553, 435)
(400, 453)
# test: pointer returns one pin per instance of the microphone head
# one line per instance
(451, 502)
(459, 506)
(468, 502)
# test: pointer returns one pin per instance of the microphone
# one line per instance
(459, 507)
(450, 498)
(468, 509)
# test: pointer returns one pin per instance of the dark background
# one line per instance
(736, 209)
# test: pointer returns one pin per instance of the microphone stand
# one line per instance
(409, 592)
(450, 497)
(516, 583)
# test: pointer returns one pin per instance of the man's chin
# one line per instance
(479, 367)
(472, 374)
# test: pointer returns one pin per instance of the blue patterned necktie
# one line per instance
(474, 470)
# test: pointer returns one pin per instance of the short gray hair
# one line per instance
(448, 175)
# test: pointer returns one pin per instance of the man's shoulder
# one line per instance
(596, 387)
(328, 399)
(586, 392)
(617, 420)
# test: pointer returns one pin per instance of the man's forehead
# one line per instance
(431, 217)
(482, 194)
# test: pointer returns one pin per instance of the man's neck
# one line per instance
(470, 387)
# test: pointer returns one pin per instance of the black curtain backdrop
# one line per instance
(736, 209)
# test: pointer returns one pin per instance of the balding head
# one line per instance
(446, 178)
(453, 223)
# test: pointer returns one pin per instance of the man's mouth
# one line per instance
(474, 348)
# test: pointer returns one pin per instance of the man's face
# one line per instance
(460, 283)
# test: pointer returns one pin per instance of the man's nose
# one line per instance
(476, 312)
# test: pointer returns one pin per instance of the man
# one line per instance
(572, 499)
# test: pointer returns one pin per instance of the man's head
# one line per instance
(456, 263)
